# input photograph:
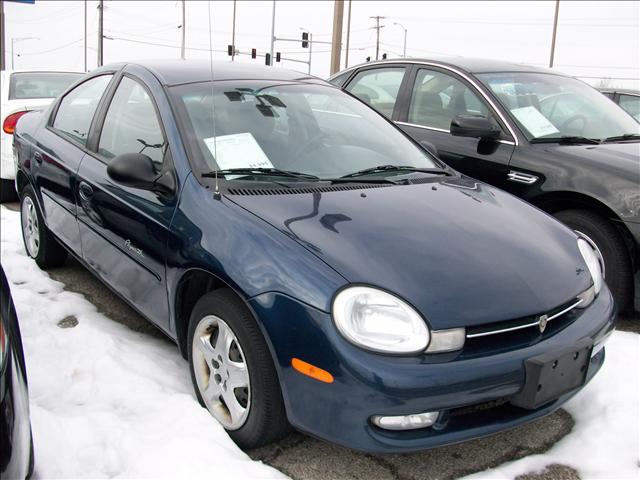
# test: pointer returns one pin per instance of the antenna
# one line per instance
(216, 193)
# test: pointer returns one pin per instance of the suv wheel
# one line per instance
(610, 247)
(232, 371)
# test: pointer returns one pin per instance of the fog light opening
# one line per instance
(406, 422)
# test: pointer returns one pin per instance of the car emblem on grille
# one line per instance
(542, 323)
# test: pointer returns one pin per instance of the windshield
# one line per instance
(551, 106)
(311, 129)
(39, 84)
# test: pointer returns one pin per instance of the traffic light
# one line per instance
(267, 59)
(368, 59)
(384, 56)
(277, 56)
(305, 39)
(254, 53)
(230, 50)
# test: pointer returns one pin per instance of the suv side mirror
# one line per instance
(136, 170)
(474, 126)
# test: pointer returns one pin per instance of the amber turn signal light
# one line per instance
(311, 371)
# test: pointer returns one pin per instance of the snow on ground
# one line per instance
(605, 441)
(106, 401)
(109, 402)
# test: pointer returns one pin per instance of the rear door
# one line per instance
(58, 154)
(124, 229)
(433, 97)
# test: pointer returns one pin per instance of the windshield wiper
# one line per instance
(273, 172)
(619, 138)
(395, 168)
(573, 139)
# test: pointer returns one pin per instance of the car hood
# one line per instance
(462, 252)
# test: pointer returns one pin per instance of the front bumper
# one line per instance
(472, 393)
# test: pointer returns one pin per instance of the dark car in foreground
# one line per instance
(629, 100)
(16, 444)
(548, 138)
(315, 266)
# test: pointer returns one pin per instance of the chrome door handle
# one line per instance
(85, 191)
(37, 157)
(520, 177)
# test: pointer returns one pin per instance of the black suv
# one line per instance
(543, 136)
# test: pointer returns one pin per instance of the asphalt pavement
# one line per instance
(303, 457)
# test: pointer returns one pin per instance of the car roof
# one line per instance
(175, 72)
(9, 72)
(467, 64)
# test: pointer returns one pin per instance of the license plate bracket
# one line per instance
(552, 374)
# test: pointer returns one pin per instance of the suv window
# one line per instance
(437, 98)
(131, 124)
(77, 108)
(378, 88)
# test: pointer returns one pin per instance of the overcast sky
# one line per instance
(595, 39)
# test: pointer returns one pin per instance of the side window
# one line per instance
(437, 98)
(378, 88)
(631, 104)
(131, 124)
(77, 108)
(339, 80)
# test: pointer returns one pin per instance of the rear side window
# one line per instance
(39, 84)
(378, 88)
(339, 80)
(77, 108)
(131, 124)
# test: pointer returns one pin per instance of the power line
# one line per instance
(53, 49)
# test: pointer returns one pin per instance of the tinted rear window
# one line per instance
(40, 84)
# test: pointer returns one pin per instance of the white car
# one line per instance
(23, 91)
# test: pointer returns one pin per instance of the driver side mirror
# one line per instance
(137, 170)
(474, 126)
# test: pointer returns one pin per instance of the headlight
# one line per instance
(593, 263)
(379, 321)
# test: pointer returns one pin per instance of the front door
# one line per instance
(123, 229)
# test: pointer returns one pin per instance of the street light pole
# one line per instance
(404, 48)
(184, 31)
(553, 38)
(233, 33)
(273, 31)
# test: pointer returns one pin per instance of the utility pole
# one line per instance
(378, 27)
(233, 33)
(184, 32)
(553, 38)
(336, 40)
(2, 67)
(273, 30)
(346, 54)
(85, 35)
(100, 34)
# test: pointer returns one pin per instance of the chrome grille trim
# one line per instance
(527, 325)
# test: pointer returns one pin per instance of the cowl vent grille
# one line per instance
(303, 190)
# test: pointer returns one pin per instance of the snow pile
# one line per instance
(106, 401)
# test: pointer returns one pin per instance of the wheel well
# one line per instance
(193, 285)
(21, 181)
(557, 201)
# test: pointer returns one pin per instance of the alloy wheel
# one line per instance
(221, 372)
(30, 226)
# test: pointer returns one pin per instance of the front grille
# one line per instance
(519, 332)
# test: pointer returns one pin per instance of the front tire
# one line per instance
(232, 371)
(608, 243)
(39, 242)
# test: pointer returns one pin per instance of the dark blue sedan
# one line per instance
(317, 267)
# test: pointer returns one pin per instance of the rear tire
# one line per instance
(8, 191)
(617, 263)
(262, 418)
(39, 242)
